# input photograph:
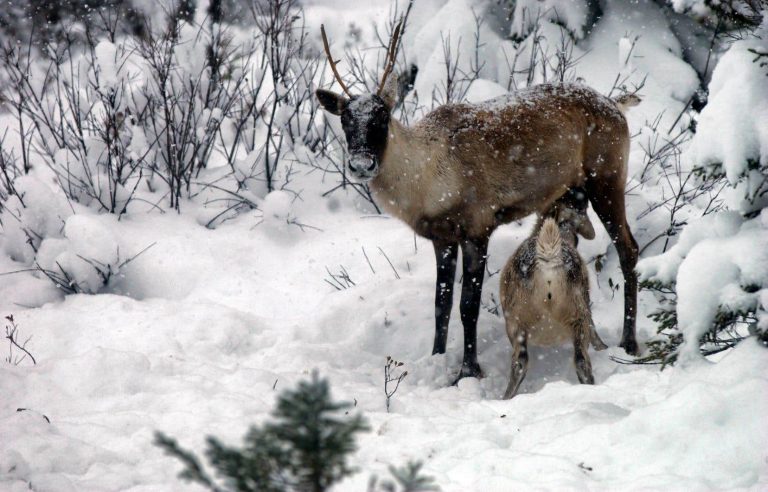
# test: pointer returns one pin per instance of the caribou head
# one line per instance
(364, 118)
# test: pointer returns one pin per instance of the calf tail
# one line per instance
(549, 243)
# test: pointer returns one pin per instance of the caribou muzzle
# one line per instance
(363, 166)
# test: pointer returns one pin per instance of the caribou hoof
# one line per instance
(630, 346)
(469, 371)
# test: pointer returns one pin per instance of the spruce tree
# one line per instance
(304, 448)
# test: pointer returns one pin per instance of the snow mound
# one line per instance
(730, 272)
(277, 215)
(663, 268)
(574, 15)
(88, 255)
(452, 28)
(36, 212)
(718, 263)
(732, 129)
(107, 64)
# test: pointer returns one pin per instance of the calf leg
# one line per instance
(473, 258)
(519, 361)
(581, 334)
(597, 342)
(446, 254)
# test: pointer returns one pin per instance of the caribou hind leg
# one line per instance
(445, 254)
(606, 193)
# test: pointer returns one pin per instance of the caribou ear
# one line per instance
(331, 102)
(585, 228)
(390, 91)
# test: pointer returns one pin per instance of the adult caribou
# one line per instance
(465, 169)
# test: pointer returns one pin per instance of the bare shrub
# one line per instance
(536, 58)
(17, 350)
(169, 111)
(74, 104)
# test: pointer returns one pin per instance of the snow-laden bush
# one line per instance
(41, 231)
(148, 117)
(732, 131)
(84, 260)
(75, 106)
(734, 13)
(713, 284)
(577, 16)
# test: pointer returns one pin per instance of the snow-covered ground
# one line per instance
(213, 323)
(200, 332)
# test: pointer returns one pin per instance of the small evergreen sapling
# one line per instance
(729, 327)
(305, 447)
(409, 478)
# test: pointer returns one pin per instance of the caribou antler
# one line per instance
(331, 62)
(389, 63)
(394, 44)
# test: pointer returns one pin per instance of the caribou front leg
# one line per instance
(446, 254)
(473, 259)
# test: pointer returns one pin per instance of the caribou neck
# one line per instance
(402, 183)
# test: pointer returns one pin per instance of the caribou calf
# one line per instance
(465, 169)
(545, 292)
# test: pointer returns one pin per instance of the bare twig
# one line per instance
(397, 275)
(11, 334)
(341, 280)
(369, 261)
(390, 376)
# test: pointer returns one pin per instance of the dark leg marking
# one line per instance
(473, 258)
(612, 214)
(445, 254)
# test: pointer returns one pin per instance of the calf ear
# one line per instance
(585, 228)
(331, 102)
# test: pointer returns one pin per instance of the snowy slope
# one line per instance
(237, 313)
(200, 332)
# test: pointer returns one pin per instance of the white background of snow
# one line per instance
(195, 334)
